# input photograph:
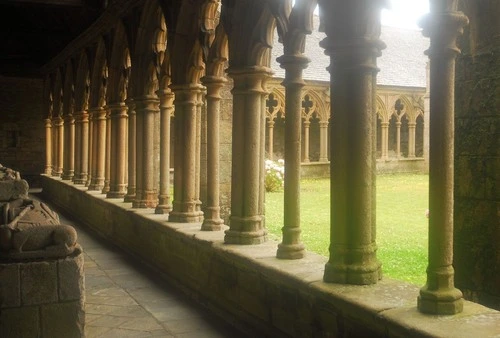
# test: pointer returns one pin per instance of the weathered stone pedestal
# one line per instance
(42, 298)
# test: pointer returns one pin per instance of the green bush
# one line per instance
(275, 175)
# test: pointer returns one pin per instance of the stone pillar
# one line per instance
(118, 147)
(69, 147)
(107, 161)
(185, 204)
(384, 140)
(443, 25)
(247, 222)
(426, 119)
(54, 146)
(411, 139)
(270, 139)
(353, 44)
(60, 145)
(197, 176)
(323, 141)
(48, 146)
(398, 138)
(98, 148)
(82, 148)
(132, 136)
(147, 193)
(307, 123)
(291, 247)
(166, 107)
(90, 147)
(212, 220)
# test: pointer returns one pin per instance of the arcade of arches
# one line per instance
(144, 89)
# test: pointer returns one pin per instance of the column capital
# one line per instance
(118, 109)
(250, 79)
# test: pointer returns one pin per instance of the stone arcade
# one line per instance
(112, 90)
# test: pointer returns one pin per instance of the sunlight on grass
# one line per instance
(401, 223)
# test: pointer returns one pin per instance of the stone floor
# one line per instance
(123, 299)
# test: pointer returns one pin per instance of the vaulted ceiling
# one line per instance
(34, 31)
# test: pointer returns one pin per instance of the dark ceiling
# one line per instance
(34, 31)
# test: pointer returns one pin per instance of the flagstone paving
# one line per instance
(123, 299)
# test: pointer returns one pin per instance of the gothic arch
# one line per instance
(82, 83)
(69, 89)
(406, 111)
(119, 66)
(318, 106)
(382, 112)
(218, 53)
(58, 94)
(273, 109)
(47, 97)
(99, 76)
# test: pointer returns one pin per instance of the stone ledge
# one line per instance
(249, 285)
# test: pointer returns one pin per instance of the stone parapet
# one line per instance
(42, 298)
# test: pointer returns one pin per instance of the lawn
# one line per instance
(401, 222)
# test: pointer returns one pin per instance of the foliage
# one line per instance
(402, 201)
(275, 175)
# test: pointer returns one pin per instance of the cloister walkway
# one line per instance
(124, 299)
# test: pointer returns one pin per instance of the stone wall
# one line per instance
(22, 133)
(43, 299)
(249, 286)
(477, 156)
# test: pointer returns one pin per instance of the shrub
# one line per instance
(275, 175)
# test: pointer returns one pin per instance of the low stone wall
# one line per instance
(261, 294)
(43, 299)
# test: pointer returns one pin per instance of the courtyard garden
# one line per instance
(402, 201)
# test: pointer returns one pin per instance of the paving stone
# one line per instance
(143, 324)
(110, 321)
(95, 331)
(134, 311)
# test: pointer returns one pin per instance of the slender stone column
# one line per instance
(54, 146)
(82, 148)
(107, 160)
(247, 222)
(306, 159)
(442, 25)
(99, 149)
(197, 176)
(212, 220)
(185, 204)
(60, 145)
(398, 139)
(131, 184)
(353, 44)
(411, 139)
(323, 141)
(48, 146)
(166, 107)
(270, 139)
(69, 147)
(90, 148)
(291, 247)
(426, 119)
(385, 140)
(146, 193)
(117, 178)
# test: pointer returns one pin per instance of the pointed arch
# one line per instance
(47, 96)
(382, 112)
(317, 107)
(82, 83)
(69, 89)
(98, 83)
(119, 66)
(218, 54)
(276, 108)
(58, 94)
(406, 110)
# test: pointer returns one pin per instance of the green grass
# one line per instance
(401, 223)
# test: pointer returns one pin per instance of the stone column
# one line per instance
(185, 204)
(398, 138)
(118, 147)
(131, 184)
(98, 148)
(197, 176)
(384, 140)
(107, 161)
(247, 222)
(270, 139)
(60, 145)
(411, 139)
(147, 193)
(166, 107)
(323, 141)
(291, 247)
(69, 147)
(307, 123)
(353, 44)
(212, 220)
(82, 148)
(48, 146)
(443, 25)
(90, 147)
(426, 119)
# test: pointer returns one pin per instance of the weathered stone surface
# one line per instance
(71, 278)
(63, 320)
(20, 322)
(10, 295)
(39, 283)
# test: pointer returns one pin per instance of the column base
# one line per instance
(130, 198)
(68, 175)
(290, 251)
(96, 184)
(115, 194)
(356, 274)
(163, 209)
(105, 188)
(246, 230)
(440, 302)
(185, 217)
(80, 179)
(48, 171)
(212, 224)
